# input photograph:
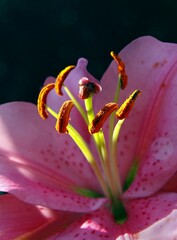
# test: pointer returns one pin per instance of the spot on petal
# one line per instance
(162, 148)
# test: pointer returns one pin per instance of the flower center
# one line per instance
(106, 167)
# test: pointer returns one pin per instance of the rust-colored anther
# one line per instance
(61, 78)
(121, 69)
(41, 102)
(126, 107)
(101, 117)
(64, 116)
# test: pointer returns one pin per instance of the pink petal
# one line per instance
(96, 225)
(149, 133)
(18, 218)
(144, 213)
(163, 229)
(26, 221)
(147, 219)
(40, 166)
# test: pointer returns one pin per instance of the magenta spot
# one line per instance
(125, 137)
(122, 153)
(42, 152)
(67, 163)
(133, 133)
(76, 235)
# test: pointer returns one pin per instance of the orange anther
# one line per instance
(101, 117)
(41, 102)
(126, 107)
(121, 69)
(61, 78)
(64, 116)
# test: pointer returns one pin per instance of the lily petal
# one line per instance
(38, 165)
(149, 132)
(18, 218)
(141, 223)
(145, 213)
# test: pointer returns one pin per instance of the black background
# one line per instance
(39, 38)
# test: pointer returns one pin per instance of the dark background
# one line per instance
(39, 37)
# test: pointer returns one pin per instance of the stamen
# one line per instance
(100, 143)
(126, 107)
(64, 116)
(76, 103)
(42, 100)
(61, 78)
(101, 117)
(87, 88)
(121, 69)
(122, 113)
(82, 145)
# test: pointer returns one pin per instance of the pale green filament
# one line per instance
(88, 155)
(90, 115)
(76, 103)
(113, 156)
(53, 113)
(82, 145)
(112, 117)
(100, 143)
(116, 187)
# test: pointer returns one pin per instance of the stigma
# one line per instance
(104, 165)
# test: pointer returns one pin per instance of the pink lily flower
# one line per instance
(104, 184)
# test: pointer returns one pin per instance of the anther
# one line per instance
(61, 78)
(87, 88)
(64, 116)
(121, 69)
(126, 107)
(101, 117)
(42, 100)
